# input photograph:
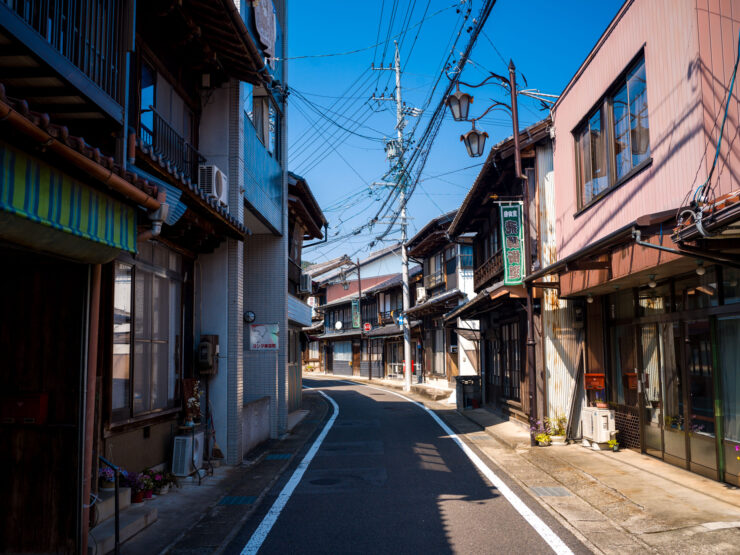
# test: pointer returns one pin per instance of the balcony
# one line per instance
(82, 41)
(346, 326)
(487, 271)
(434, 280)
(166, 142)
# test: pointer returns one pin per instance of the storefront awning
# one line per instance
(40, 193)
(437, 304)
(486, 300)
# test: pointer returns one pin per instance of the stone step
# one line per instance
(102, 538)
(106, 504)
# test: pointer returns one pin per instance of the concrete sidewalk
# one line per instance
(616, 502)
(203, 518)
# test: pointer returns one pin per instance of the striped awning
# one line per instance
(32, 189)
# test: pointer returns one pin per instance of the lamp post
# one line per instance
(475, 142)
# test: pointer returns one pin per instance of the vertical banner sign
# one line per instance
(511, 231)
(355, 313)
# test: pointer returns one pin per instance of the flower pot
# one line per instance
(137, 497)
(543, 443)
(107, 485)
(557, 440)
(600, 405)
(148, 494)
(162, 490)
(615, 448)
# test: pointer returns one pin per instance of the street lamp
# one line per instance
(459, 104)
(475, 141)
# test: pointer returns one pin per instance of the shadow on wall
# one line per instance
(255, 424)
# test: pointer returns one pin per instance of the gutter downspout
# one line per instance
(104, 175)
(90, 385)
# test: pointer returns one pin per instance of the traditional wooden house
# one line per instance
(499, 302)
(447, 282)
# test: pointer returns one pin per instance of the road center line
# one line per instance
(547, 534)
(260, 534)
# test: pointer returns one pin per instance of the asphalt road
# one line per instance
(388, 479)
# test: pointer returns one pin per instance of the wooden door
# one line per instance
(356, 345)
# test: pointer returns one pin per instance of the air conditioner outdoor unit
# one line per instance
(587, 423)
(421, 294)
(214, 184)
(187, 454)
(604, 427)
(305, 285)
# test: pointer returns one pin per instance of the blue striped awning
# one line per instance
(37, 191)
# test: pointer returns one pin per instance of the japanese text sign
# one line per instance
(513, 245)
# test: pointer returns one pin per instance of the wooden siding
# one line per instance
(687, 63)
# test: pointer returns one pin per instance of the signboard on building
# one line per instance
(356, 313)
(367, 326)
(263, 337)
(513, 244)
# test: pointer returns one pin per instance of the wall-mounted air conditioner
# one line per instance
(214, 184)
(187, 454)
(305, 284)
(421, 294)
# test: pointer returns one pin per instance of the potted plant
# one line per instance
(193, 406)
(613, 444)
(541, 432)
(557, 428)
(147, 486)
(542, 439)
(161, 485)
(133, 480)
(107, 478)
(601, 400)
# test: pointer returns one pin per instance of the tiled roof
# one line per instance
(61, 134)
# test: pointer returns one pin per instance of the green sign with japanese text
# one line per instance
(355, 313)
(513, 244)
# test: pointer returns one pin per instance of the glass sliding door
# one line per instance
(728, 339)
(653, 363)
(701, 429)
(674, 429)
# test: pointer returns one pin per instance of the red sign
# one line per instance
(367, 326)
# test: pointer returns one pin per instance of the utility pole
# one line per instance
(401, 184)
(527, 250)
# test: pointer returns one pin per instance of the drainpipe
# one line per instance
(157, 217)
(104, 175)
(90, 385)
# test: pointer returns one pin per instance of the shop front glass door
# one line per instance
(674, 429)
(701, 430)
(653, 362)
(728, 336)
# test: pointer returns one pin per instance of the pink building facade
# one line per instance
(635, 132)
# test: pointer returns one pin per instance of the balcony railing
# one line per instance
(167, 142)
(488, 270)
(86, 32)
(433, 280)
(346, 326)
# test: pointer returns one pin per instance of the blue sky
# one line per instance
(547, 41)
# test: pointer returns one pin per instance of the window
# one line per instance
(466, 256)
(147, 99)
(376, 349)
(365, 350)
(313, 350)
(614, 140)
(343, 351)
(450, 259)
(146, 358)
(248, 105)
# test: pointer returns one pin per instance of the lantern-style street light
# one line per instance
(475, 141)
(459, 104)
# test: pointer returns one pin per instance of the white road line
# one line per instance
(260, 534)
(547, 534)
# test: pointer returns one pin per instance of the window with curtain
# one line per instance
(728, 331)
(313, 350)
(146, 356)
(614, 139)
(343, 351)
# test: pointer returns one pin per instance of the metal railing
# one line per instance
(346, 326)
(165, 141)
(489, 269)
(86, 32)
(116, 481)
(433, 280)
